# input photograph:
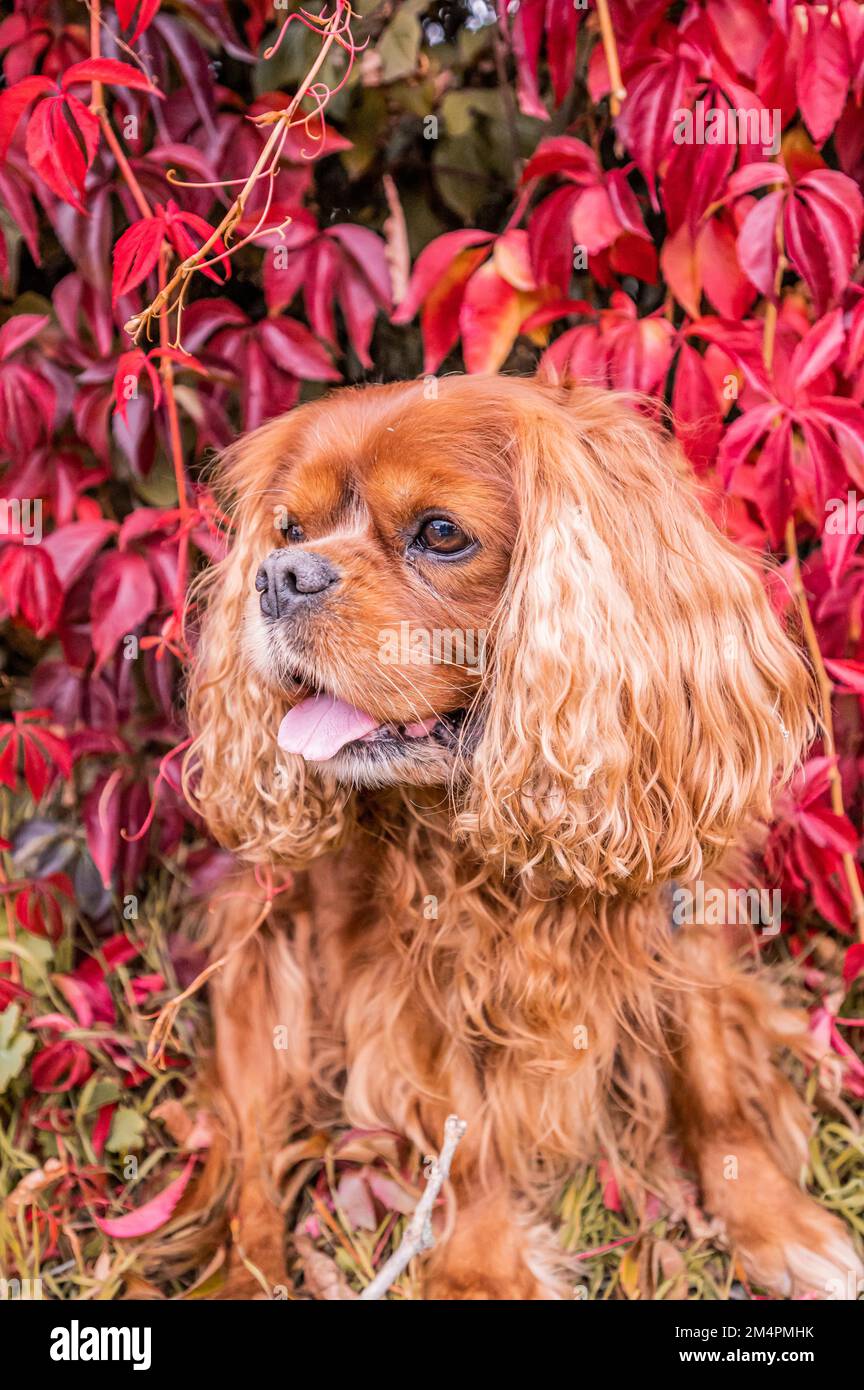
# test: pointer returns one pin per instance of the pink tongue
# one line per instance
(318, 727)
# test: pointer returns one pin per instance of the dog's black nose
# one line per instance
(290, 579)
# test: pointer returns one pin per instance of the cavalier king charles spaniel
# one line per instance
(480, 677)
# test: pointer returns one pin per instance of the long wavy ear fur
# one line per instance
(641, 699)
(263, 803)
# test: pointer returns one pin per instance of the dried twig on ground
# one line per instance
(418, 1233)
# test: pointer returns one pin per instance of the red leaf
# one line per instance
(489, 320)
(823, 74)
(390, 1193)
(56, 748)
(62, 138)
(433, 265)
(723, 280)
(176, 223)
(699, 423)
(19, 330)
(562, 154)
(828, 830)
(368, 254)
(562, 22)
(822, 224)
(829, 474)
(293, 349)
(73, 546)
(527, 33)
(680, 266)
(640, 349)
(136, 254)
(30, 587)
(645, 123)
(845, 419)
(850, 674)
(39, 912)
(551, 239)
(752, 176)
(593, 221)
(773, 480)
(124, 596)
(696, 174)
(35, 769)
(130, 365)
(14, 102)
(838, 544)
(126, 9)
(743, 29)
(360, 310)
(100, 814)
(758, 251)
(353, 1198)
(818, 350)
(152, 1214)
(511, 259)
(107, 70)
(853, 963)
(102, 1127)
(60, 1066)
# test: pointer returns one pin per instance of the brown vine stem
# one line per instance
(172, 294)
(617, 92)
(769, 333)
(97, 105)
(96, 89)
(823, 680)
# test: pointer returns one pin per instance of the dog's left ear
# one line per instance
(641, 701)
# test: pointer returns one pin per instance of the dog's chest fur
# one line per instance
(431, 988)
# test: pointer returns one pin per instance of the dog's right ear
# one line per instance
(257, 800)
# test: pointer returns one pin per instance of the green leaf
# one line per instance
(127, 1130)
(399, 45)
(13, 1050)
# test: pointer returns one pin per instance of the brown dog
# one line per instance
(486, 835)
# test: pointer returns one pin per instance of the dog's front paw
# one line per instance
(445, 1285)
(785, 1241)
(808, 1252)
(492, 1254)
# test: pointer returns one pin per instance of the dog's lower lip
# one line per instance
(446, 726)
(387, 739)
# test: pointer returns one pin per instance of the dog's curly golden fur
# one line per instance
(480, 915)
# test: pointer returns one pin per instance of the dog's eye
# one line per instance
(292, 531)
(442, 536)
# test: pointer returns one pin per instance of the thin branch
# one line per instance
(418, 1233)
(123, 164)
(618, 92)
(333, 30)
(96, 89)
(97, 105)
(772, 308)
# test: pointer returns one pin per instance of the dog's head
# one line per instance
(504, 588)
